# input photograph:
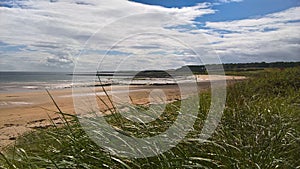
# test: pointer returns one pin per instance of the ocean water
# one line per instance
(29, 81)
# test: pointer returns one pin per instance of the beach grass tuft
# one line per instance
(259, 129)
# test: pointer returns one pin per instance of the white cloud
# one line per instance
(228, 1)
(268, 38)
(60, 28)
(53, 34)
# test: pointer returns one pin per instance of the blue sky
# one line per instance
(248, 9)
(58, 34)
(230, 11)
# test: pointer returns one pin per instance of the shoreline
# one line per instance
(31, 110)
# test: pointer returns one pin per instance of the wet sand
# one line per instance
(21, 112)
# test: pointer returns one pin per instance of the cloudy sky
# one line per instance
(58, 35)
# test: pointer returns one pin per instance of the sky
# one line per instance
(89, 35)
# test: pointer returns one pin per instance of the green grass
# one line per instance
(260, 128)
(250, 72)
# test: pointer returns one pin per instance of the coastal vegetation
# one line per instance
(259, 129)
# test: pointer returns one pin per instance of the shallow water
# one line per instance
(32, 81)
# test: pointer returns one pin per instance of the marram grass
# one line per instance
(260, 128)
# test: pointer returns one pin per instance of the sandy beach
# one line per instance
(22, 112)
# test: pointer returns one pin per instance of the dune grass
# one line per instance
(259, 129)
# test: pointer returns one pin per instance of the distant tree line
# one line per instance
(238, 66)
(197, 69)
(259, 65)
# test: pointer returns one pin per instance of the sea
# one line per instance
(32, 81)
(28, 81)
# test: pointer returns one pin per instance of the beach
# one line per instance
(25, 111)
